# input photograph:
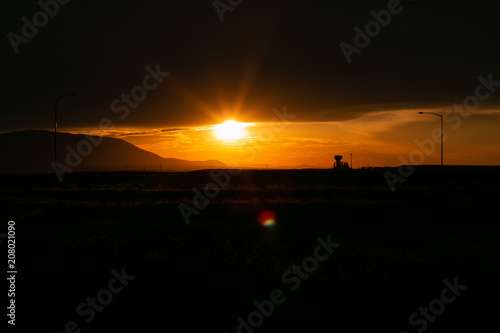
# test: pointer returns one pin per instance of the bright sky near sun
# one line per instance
(230, 130)
(376, 139)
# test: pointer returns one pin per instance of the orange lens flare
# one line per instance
(267, 218)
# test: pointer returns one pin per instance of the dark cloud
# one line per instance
(264, 54)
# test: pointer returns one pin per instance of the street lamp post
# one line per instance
(441, 116)
(55, 129)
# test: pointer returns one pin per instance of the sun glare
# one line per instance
(230, 130)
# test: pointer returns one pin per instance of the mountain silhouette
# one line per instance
(33, 151)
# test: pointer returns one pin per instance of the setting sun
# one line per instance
(230, 130)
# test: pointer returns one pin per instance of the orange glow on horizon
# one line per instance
(374, 139)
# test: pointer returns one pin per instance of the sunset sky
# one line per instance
(264, 56)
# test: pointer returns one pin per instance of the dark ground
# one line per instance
(396, 250)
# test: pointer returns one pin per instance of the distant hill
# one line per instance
(33, 151)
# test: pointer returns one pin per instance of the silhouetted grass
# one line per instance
(396, 247)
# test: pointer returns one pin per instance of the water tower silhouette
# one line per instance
(338, 163)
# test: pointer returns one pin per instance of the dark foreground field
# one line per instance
(396, 250)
